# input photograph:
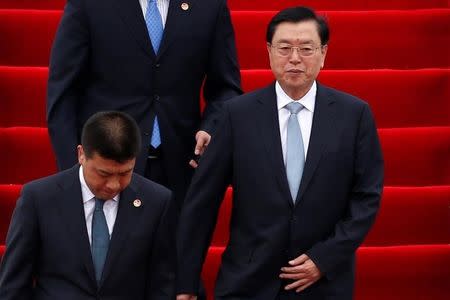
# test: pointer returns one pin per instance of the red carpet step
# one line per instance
(360, 40)
(267, 4)
(389, 92)
(9, 193)
(336, 5)
(408, 215)
(413, 156)
(387, 273)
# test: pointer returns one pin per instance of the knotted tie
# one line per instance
(155, 31)
(100, 238)
(295, 153)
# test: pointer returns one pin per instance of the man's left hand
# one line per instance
(303, 271)
(202, 138)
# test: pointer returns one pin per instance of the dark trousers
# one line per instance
(155, 172)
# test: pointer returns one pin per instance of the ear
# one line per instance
(268, 47)
(324, 54)
(81, 155)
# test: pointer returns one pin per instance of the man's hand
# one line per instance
(202, 138)
(303, 271)
(186, 297)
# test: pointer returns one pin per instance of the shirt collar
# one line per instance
(86, 192)
(308, 101)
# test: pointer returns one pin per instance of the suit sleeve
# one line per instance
(364, 201)
(223, 79)
(22, 244)
(202, 203)
(68, 59)
(163, 260)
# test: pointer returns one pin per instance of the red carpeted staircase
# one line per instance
(392, 53)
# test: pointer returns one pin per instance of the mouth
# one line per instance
(295, 71)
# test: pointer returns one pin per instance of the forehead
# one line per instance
(109, 165)
(296, 33)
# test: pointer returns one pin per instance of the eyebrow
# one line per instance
(290, 41)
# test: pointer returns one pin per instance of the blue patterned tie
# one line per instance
(295, 153)
(154, 24)
(100, 238)
(155, 31)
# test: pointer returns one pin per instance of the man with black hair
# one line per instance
(95, 231)
(306, 168)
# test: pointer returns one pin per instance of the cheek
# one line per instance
(125, 181)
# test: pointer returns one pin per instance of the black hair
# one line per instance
(112, 135)
(296, 15)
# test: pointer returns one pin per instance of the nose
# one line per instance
(295, 56)
(113, 184)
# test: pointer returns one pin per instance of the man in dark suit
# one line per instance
(95, 231)
(306, 168)
(148, 59)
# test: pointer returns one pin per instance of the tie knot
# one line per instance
(294, 107)
(99, 203)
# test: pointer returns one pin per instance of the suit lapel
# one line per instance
(123, 225)
(131, 14)
(270, 133)
(322, 126)
(175, 17)
(72, 212)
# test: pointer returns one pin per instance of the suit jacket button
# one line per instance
(146, 133)
(157, 65)
(156, 97)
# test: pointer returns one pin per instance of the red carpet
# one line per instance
(392, 53)
(371, 44)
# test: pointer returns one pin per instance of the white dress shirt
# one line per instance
(163, 7)
(305, 116)
(109, 208)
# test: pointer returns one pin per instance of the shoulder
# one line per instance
(341, 97)
(248, 100)
(149, 190)
(53, 183)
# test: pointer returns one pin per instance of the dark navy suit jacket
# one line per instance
(102, 59)
(336, 204)
(48, 252)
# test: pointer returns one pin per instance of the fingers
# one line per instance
(202, 138)
(303, 271)
(193, 163)
(299, 260)
(186, 297)
(297, 284)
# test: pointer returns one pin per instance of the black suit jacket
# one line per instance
(102, 59)
(48, 252)
(335, 207)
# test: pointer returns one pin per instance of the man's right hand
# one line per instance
(186, 297)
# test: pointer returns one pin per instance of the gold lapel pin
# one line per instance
(184, 6)
(137, 203)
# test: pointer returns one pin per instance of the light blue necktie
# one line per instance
(154, 24)
(295, 153)
(100, 238)
(155, 31)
